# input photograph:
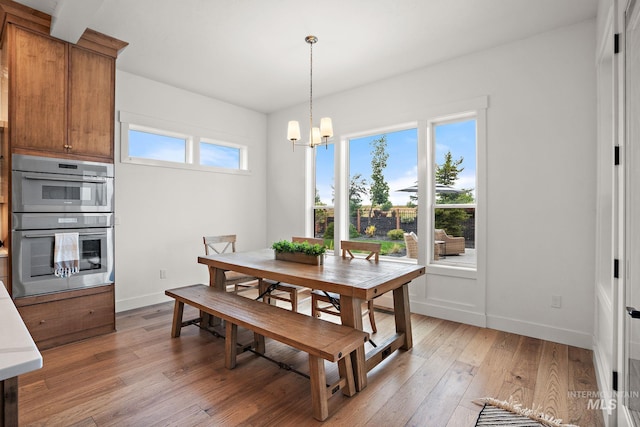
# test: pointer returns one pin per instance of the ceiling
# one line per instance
(252, 53)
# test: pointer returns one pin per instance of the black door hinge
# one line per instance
(616, 155)
(616, 268)
(616, 43)
(615, 381)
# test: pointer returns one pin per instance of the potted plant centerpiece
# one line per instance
(301, 252)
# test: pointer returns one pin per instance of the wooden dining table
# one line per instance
(356, 280)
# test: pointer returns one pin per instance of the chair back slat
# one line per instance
(214, 244)
(350, 245)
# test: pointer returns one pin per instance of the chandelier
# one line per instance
(317, 135)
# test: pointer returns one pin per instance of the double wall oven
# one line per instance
(52, 196)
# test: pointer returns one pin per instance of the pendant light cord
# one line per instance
(311, 95)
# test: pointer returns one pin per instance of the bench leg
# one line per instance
(345, 368)
(178, 309)
(317, 375)
(230, 347)
(258, 343)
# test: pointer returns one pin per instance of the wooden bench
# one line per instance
(320, 339)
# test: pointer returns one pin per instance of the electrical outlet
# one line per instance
(163, 274)
(556, 301)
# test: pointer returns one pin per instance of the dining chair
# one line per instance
(236, 282)
(284, 291)
(329, 302)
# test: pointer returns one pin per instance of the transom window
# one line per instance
(146, 143)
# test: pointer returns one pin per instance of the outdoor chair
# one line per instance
(452, 245)
(286, 292)
(236, 282)
(329, 302)
(411, 243)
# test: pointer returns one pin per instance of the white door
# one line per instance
(629, 398)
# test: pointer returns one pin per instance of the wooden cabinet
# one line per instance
(91, 103)
(37, 90)
(61, 97)
(56, 319)
(57, 100)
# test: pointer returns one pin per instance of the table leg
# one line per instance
(351, 315)
(217, 279)
(403, 314)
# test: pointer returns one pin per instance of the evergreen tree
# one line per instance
(379, 190)
(451, 220)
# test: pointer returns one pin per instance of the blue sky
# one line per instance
(149, 145)
(402, 168)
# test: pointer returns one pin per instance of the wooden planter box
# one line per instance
(300, 257)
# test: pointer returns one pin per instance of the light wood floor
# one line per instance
(139, 376)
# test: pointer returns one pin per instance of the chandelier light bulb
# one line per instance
(317, 135)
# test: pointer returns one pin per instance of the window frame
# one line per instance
(193, 137)
(476, 108)
(472, 107)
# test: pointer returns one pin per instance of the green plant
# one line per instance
(303, 247)
(370, 230)
(386, 206)
(397, 234)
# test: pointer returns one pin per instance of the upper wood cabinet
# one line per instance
(37, 73)
(91, 103)
(60, 97)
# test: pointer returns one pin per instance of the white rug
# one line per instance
(497, 413)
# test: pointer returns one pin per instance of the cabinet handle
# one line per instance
(68, 147)
(90, 311)
(41, 322)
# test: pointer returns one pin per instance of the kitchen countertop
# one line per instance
(18, 352)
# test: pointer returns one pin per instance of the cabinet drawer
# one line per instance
(69, 317)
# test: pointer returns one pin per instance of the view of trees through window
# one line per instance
(382, 179)
(383, 191)
(455, 185)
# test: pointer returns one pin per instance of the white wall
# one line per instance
(541, 184)
(163, 213)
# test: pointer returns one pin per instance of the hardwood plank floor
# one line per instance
(139, 376)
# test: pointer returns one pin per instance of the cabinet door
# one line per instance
(37, 92)
(91, 103)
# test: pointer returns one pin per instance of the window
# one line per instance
(427, 178)
(454, 191)
(156, 146)
(146, 141)
(323, 212)
(219, 156)
(382, 181)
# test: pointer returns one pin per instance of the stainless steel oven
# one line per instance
(32, 255)
(43, 184)
(52, 196)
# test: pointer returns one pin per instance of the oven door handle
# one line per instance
(33, 236)
(44, 177)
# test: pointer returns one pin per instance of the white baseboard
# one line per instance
(540, 331)
(141, 301)
(454, 314)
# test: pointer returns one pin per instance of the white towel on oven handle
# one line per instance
(66, 254)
